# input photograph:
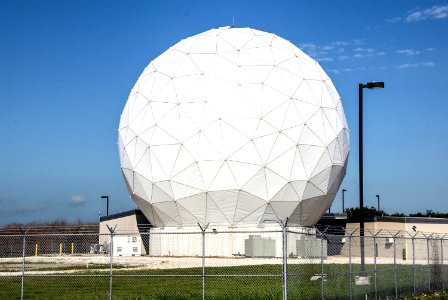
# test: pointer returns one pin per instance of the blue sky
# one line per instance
(67, 67)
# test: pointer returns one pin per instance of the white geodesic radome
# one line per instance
(233, 126)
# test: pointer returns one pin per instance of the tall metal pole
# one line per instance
(361, 183)
(343, 200)
(378, 198)
(107, 204)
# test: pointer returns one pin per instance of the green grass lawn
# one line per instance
(163, 284)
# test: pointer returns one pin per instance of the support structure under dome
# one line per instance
(233, 126)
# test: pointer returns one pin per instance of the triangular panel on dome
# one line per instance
(236, 37)
(187, 68)
(299, 187)
(209, 170)
(203, 60)
(161, 137)
(282, 165)
(186, 217)
(336, 176)
(305, 109)
(247, 154)
(283, 209)
(168, 213)
(191, 176)
(246, 58)
(168, 63)
(224, 179)
(214, 214)
(182, 191)
(126, 160)
(287, 193)
(129, 179)
(292, 66)
(312, 191)
(142, 121)
(271, 99)
(182, 85)
(298, 169)
(142, 187)
(294, 133)
(323, 163)
(166, 187)
(232, 56)
(232, 138)
(310, 157)
(140, 148)
(274, 182)
(157, 172)
(159, 195)
(251, 217)
(195, 205)
(178, 123)
(283, 81)
(264, 128)
(246, 126)
(243, 172)
(320, 180)
(305, 94)
(143, 166)
(226, 201)
(208, 151)
(257, 185)
(153, 85)
(183, 161)
(316, 125)
(309, 69)
(166, 155)
(281, 145)
(139, 104)
(264, 145)
(316, 86)
(207, 45)
(257, 74)
(335, 152)
(277, 116)
(147, 210)
(268, 214)
(292, 117)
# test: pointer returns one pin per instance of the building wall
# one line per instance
(124, 226)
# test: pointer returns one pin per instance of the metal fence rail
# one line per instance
(280, 263)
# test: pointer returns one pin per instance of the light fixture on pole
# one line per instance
(369, 85)
(343, 201)
(107, 204)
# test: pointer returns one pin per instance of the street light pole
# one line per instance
(343, 201)
(369, 85)
(378, 198)
(107, 204)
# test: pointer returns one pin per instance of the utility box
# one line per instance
(256, 246)
(309, 246)
(127, 245)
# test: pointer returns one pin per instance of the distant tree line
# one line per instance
(371, 212)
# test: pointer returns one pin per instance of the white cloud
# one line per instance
(324, 59)
(408, 52)
(416, 65)
(435, 12)
(344, 57)
(77, 200)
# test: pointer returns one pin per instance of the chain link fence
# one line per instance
(213, 263)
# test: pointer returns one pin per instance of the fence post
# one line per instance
(350, 263)
(375, 254)
(111, 250)
(443, 268)
(23, 261)
(429, 266)
(203, 229)
(322, 287)
(395, 266)
(284, 258)
(413, 261)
